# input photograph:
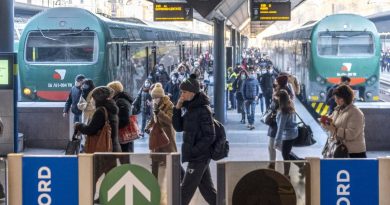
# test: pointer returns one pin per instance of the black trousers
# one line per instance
(198, 176)
(358, 155)
(128, 147)
(288, 155)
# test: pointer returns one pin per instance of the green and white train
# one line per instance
(320, 53)
(59, 43)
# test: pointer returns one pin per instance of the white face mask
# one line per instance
(160, 68)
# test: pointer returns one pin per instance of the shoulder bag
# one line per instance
(130, 132)
(335, 149)
(157, 138)
(100, 142)
(305, 135)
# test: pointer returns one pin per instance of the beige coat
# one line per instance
(349, 124)
(88, 108)
(164, 118)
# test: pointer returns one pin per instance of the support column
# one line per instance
(7, 26)
(234, 47)
(219, 70)
(239, 51)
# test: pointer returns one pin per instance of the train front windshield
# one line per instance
(55, 46)
(345, 44)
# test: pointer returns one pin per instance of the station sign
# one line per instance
(6, 70)
(50, 180)
(349, 182)
(172, 12)
(270, 11)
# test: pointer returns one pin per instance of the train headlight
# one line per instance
(322, 94)
(27, 91)
(318, 79)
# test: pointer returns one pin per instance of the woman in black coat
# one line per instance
(123, 101)
(103, 98)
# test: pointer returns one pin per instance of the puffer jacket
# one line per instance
(98, 121)
(195, 120)
(349, 123)
(123, 101)
(250, 89)
(164, 119)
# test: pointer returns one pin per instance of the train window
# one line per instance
(56, 46)
(345, 43)
(136, 34)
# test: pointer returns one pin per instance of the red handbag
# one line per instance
(130, 132)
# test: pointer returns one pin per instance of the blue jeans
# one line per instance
(250, 106)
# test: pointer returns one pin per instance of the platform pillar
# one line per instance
(7, 26)
(219, 70)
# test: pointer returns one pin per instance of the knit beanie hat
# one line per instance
(102, 93)
(191, 84)
(157, 91)
(116, 86)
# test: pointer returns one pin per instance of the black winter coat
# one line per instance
(174, 90)
(73, 99)
(197, 126)
(98, 121)
(123, 101)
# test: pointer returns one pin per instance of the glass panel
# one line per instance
(147, 173)
(345, 43)
(266, 183)
(57, 46)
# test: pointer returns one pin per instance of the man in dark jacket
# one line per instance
(330, 101)
(172, 88)
(73, 99)
(266, 83)
(160, 75)
(192, 116)
(251, 91)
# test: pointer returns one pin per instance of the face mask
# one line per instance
(173, 78)
(85, 87)
(243, 77)
(147, 85)
(263, 71)
(160, 68)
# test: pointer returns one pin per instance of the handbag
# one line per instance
(130, 132)
(157, 138)
(73, 146)
(269, 117)
(335, 149)
(305, 135)
(101, 141)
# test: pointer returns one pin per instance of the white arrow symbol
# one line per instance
(129, 181)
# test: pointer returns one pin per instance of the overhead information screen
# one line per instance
(6, 71)
(270, 11)
(172, 12)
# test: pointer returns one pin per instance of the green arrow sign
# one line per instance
(130, 185)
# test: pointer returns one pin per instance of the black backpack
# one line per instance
(220, 147)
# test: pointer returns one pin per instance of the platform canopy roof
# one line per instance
(235, 12)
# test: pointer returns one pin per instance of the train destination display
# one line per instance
(172, 12)
(270, 11)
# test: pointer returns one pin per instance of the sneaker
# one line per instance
(248, 126)
(252, 127)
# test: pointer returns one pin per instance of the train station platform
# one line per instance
(245, 145)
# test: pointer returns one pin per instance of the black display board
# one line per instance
(270, 11)
(172, 12)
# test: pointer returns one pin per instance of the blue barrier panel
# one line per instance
(349, 182)
(50, 180)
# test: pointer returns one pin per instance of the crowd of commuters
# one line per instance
(177, 102)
